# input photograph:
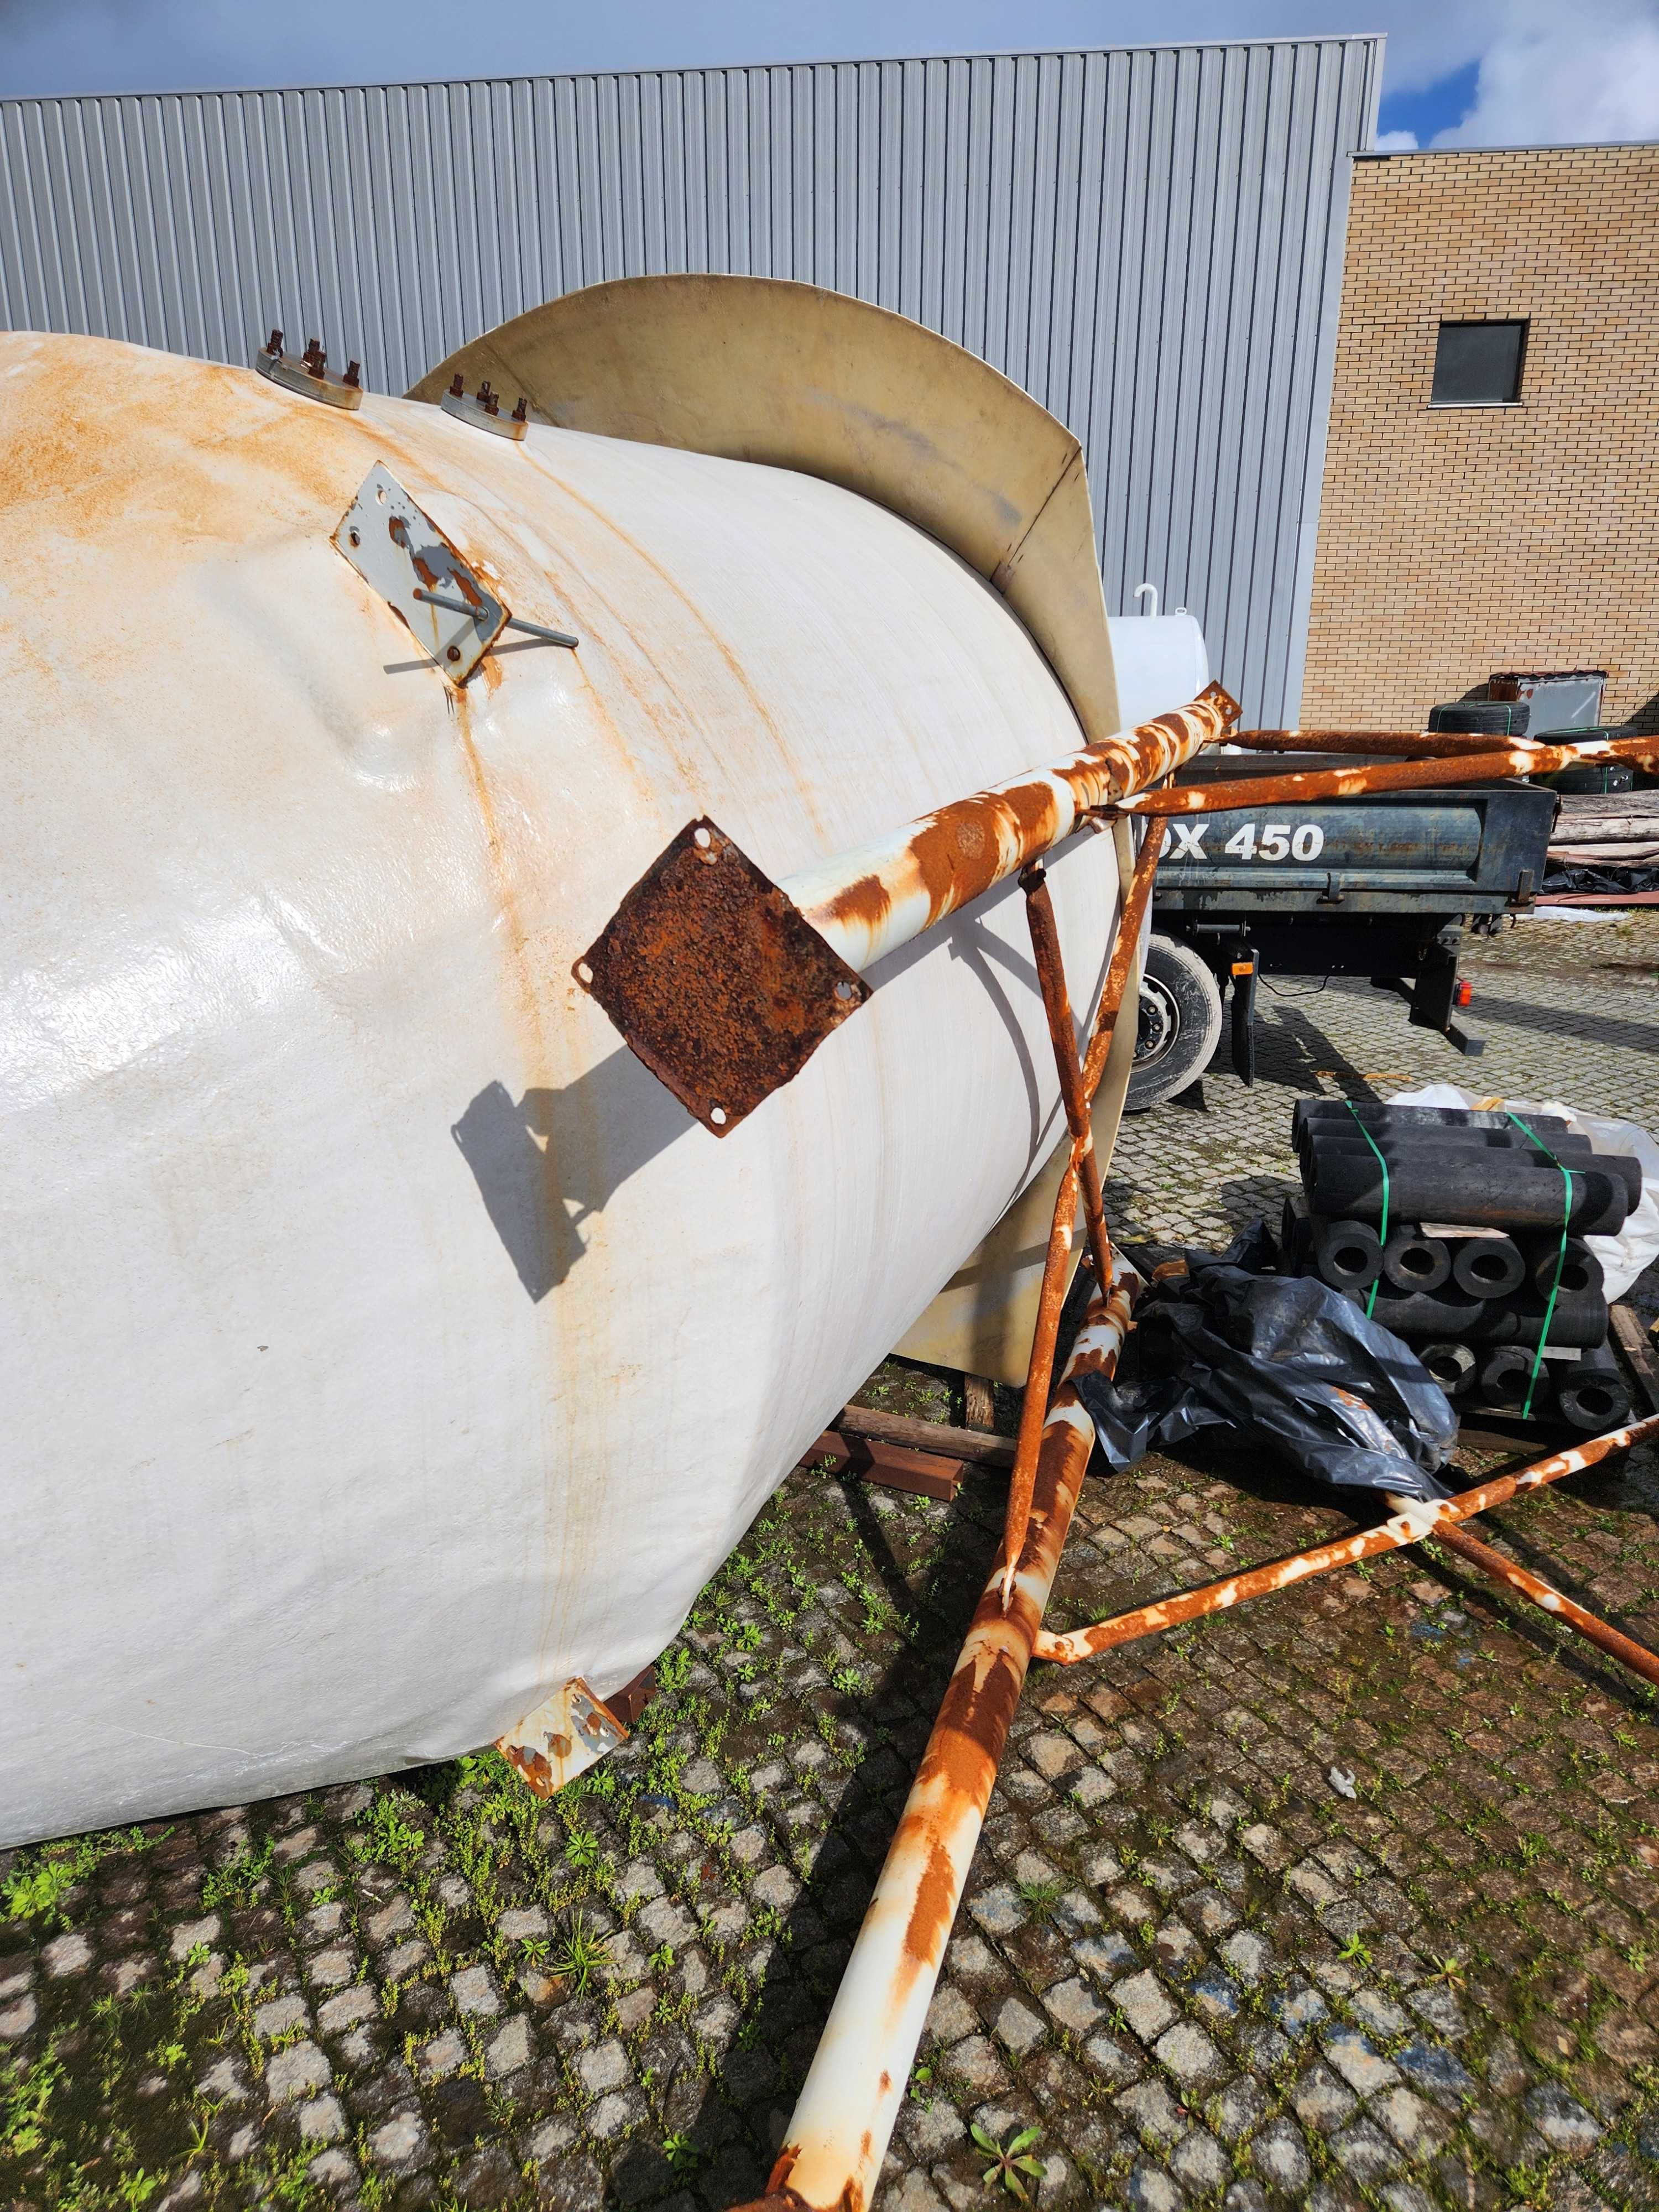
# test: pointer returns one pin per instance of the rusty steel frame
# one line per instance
(867, 904)
(1555, 1603)
(1057, 1006)
(1400, 744)
(843, 2119)
(1312, 784)
(861, 907)
(1415, 1519)
(1081, 1084)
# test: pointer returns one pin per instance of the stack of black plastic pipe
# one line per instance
(1464, 1247)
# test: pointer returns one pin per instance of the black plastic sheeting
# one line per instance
(1283, 1361)
(1609, 879)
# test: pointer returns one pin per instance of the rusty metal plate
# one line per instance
(716, 979)
(562, 1737)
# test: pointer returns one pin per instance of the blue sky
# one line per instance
(1483, 72)
(1422, 113)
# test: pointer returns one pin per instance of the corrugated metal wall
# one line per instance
(1149, 239)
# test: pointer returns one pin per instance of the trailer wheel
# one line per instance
(1180, 1023)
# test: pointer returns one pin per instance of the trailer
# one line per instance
(1385, 887)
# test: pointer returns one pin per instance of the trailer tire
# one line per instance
(1180, 1023)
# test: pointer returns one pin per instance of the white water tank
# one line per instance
(383, 1346)
(1161, 662)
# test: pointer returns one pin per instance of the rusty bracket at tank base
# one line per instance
(570, 1729)
(725, 983)
(562, 1737)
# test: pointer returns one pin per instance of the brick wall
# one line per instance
(1456, 541)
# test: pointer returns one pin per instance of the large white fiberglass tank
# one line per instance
(384, 1346)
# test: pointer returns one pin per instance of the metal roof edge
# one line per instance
(1542, 146)
(688, 69)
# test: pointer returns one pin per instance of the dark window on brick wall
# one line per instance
(1477, 364)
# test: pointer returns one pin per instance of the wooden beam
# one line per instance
(1634, 1343)
(979, 1403)
(926, 1436)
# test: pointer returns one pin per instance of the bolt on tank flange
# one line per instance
(308, 373)
(483, 410)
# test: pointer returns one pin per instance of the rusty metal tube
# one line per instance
(867, 904)
(1057, 1006)
(1125, 946)
(1052, 1296)
(1400, 744)
(1039, 1373)
(839, 2133)
(1415, 1520)
(1552, 1600)
(1314, 784)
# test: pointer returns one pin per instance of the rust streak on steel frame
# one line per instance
(1051, 1297)
(937, 864)
(1414, 1521)
(1039, 1373)
(1386, 776)
(1451, 745)
(1553, 1601)
(841, 2127)
(1124, 948)
(1062, 1034)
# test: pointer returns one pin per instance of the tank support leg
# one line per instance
(1552, 1600)
(832, 2154)
(1078, 1089)
(1412, 1521)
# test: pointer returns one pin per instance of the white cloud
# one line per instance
(1551, 77)
(1396, 141)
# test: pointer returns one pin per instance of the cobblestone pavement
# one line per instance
(1351, 1897)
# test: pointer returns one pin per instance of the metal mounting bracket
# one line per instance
(716, 979)
(307, 373)
(485, 412)
(401, 551)
(557, 1739)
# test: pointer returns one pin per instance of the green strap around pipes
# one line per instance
(1383, 1233)
(1560, 1258)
